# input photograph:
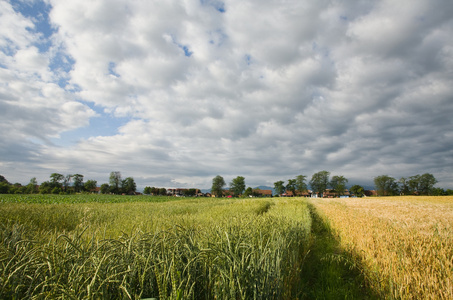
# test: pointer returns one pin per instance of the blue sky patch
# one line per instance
(104, 124)
(38, 13)
(217, 5)
(248, 59)
(112, 67)
(187, 52)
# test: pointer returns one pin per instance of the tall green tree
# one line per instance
(404, 186)
(291, 186)
(301, 186)
(217, 186)
(237, 185)
(413, 183)
(248, 192)
(427, 182)
(128, 185)
(90, 185)
(77, 182)
(115, 182)
(55, 180)
(338, 184)
(105, 188)
(357, 190)
(319, 182)
(67, 182)
(32, 186)
(279, 187)
(386, 185)
(421, 184)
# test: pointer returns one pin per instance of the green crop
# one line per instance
(121, 247)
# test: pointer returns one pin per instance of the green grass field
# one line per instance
(129, 247)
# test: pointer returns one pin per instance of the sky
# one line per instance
(175, 92)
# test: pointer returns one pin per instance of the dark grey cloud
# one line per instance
(358, 88)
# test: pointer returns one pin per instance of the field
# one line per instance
(404, 245)
(129, 247)
(143, 247)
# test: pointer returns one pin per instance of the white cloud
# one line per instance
(264, 90)
(34, 107)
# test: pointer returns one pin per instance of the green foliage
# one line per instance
(105, 188)
(128, 185)
(4, 187)
(237, 185)
(338, 184)
(217, 186)
(320, 181)
(45, 188)
(55, 180)
(414, 185)
(90, 185)
(404, 186)
(421, 184)
(190, 192)
(3, 179)
(441, 192)
(147, 190)
(56, 190)
(357, 190)
(77, 182)
(301, 186)
(248, 192)
(279, 187)
(386, 185)
(114, 182)
(154, 191)
(291, 186)
(162, 191)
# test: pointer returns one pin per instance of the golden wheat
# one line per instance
(404, 244)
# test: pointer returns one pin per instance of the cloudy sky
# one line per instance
(176, 92)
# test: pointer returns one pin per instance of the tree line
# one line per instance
(68, 184)
(297, 186)
(413, 185)
(320, 182)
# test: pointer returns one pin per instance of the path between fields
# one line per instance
(328, 270)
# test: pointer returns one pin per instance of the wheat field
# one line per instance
(187, 249)
(404, 245)
(85, 247)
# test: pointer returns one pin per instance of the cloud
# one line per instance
(267, 91)
(34, 107)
